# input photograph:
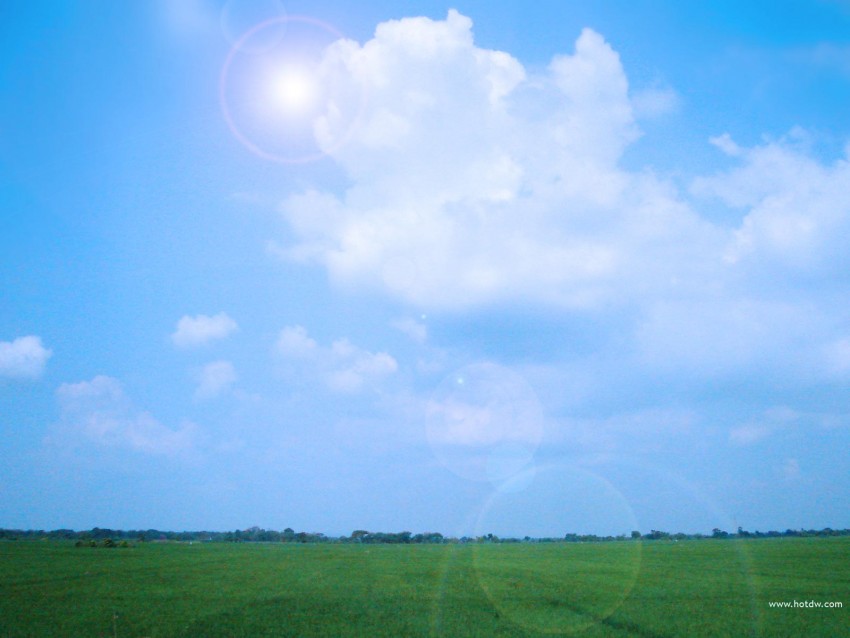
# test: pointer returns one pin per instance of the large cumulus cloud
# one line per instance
(474, 180)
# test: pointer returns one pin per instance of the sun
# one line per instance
(293, 90)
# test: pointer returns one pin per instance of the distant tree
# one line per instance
(635, 535)
(358, 535)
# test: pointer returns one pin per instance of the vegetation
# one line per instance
(712, 587)
(360, 536)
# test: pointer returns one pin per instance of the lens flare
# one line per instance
(237, 17)
(557, 589)
(275, 98)
(484, 422)
(293, 91)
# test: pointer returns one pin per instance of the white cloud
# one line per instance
(354, 366)
(719, 334)
(23, 358)
(100, 411)
(484, 422)
(201, 329)
(214, 379)
(474, 182)
(414, 329)
(797, 214)
(643, 429)
(294, 342)
(748, 434)
(343, 366)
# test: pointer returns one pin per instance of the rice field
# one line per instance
(648, 589)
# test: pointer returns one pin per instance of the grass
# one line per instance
(650, 589)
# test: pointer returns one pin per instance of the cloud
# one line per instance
(722, 334)
(748, 434)
(101, 412)
(414, 329)
(772, 422)
(796, 207)
(214, 379)
(23, 358)
(201, 329)
(474, 181)
(343, 366)
(484, 422)
(293, 342)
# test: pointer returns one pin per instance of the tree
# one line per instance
(358, 535)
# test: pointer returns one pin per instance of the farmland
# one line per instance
(650, 589)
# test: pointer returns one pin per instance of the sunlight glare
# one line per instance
(294, 91)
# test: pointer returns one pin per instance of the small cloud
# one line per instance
(101, 412)
(344, 366)
(748, 434)
(726, 144)
(412, 328)
(23, 358)
(354, 366)
(293, 342)
(201, 329)
(214, 379)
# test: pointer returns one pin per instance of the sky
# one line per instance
(480, 267)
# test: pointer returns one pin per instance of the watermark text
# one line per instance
(806, 604)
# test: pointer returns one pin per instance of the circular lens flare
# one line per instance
(237, 17)
(294, 102)
(484, 422)
(557, 588)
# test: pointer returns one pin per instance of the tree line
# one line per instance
(258, 535)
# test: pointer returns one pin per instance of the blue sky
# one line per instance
(471, 267)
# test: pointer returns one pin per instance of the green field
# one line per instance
(644, 589)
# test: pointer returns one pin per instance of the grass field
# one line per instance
(649, 589)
